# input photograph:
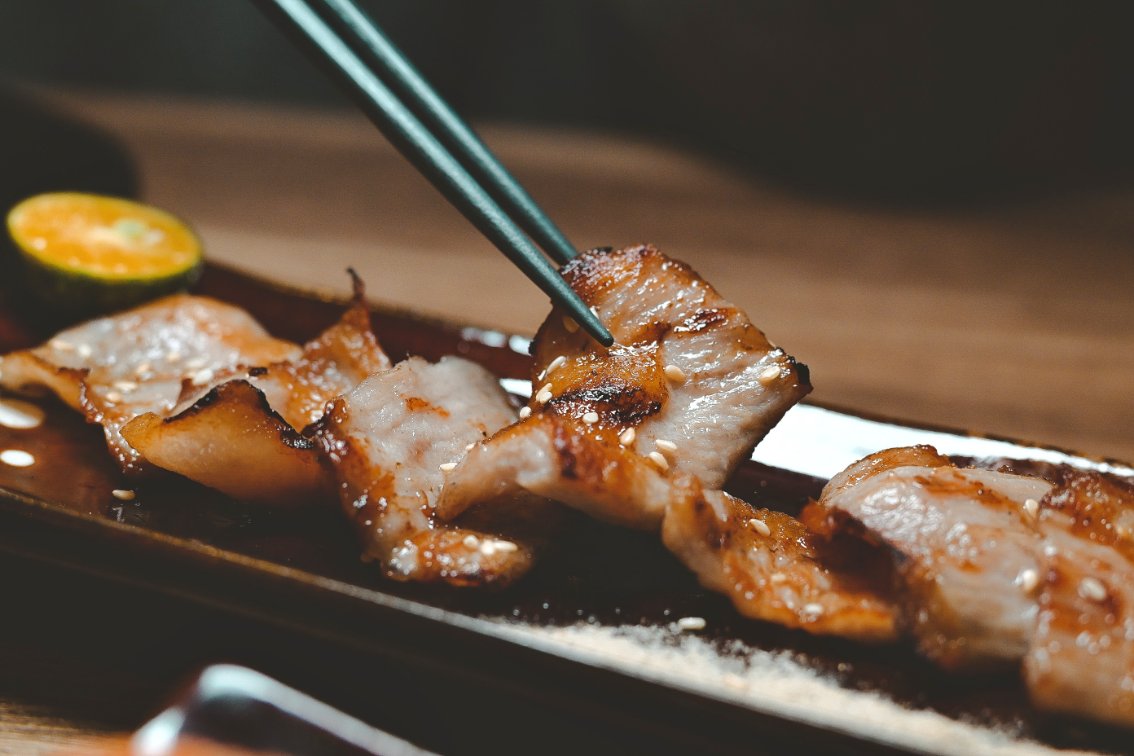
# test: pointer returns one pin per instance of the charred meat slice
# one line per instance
(390, 442)
(115, 368)
(995, 567)
(242, 436)
(773, 569)
(233, 441)
(687, 368)
(964, 543)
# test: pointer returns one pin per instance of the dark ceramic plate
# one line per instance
(588, 637)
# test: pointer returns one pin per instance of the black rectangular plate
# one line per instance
(588, 636)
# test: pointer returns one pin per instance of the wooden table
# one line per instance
(1015, 319)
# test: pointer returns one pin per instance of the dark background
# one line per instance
(893, 101)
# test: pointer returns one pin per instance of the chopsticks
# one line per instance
(431, 136)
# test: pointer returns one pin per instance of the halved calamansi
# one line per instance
(89, 253)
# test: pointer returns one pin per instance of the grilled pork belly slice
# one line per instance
(233, 441)
(690, 386)
(390, 441)
(687, 367)
(997, 567)
(115, 368)
(242, 436)
(774, 569)
(964, 545)
(1081, 660)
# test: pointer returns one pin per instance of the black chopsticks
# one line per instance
(431, 136)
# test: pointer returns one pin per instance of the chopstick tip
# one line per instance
(590, 323)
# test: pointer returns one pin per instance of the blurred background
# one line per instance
(931, 204)
(883, 99)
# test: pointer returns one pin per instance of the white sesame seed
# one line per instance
(570, 325)
(590, 418)
(1031, 507)
(760, 526)
(555, 364)
(1092, 589)
(665, 446)
(658, 459)
(201, 377)
(113, 397)
(488, 548)
(675, 374)
(778, 577)
(525, 413)
(769, 374)
(447, 467)
(1028, 580)
(506, 546)
(125, 386)
(469, 447)
(691, 623)
(471, 541)
(813, 610)
(85, 350)
(123, 494)
(61, 345)
(544, 394)
(627, 437)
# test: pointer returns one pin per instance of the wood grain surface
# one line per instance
(1015, 319)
